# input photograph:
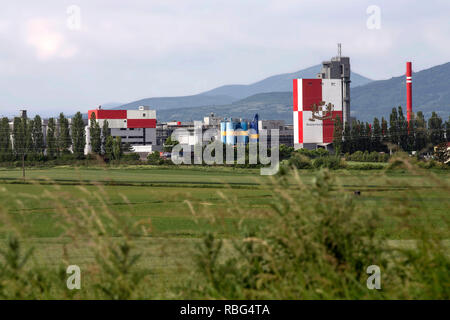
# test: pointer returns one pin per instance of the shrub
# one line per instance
(155, 158)
(132, 156)
(328, 162)
(300, 161)
(367, 166)
(312, 154)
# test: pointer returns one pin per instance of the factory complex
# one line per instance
(318, 103)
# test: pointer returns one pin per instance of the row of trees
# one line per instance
(61, 139)
(383, 136)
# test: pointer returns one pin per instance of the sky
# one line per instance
(64, 56)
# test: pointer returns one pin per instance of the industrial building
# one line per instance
(189, 134)
(135, 127)
(317, 103)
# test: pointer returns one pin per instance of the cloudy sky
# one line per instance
(72, 55)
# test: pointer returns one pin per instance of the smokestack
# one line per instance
(408, 91)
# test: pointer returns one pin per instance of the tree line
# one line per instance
(396, 134)
(62, 140)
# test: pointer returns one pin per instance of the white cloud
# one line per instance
(136, 49)
(48, 43)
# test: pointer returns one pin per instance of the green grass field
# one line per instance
(158, 195)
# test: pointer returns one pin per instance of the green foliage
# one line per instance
(130, 157)
(109, 145)
(337, 135)
(360, 156)
(63, 136)
(300, 161)
(37, 134)
(154, 158)
(169, 144)
(78, 135)
(285, 152)
(447, 129)
(309, 238)
(95, 135)
(14, 278)
(117, 148)
(51, 139)
(421, 140)
(436, 129)
(318, 245)
(312, 154)
(119, 279)
(106, 132)
(5, 141)
(328, 162)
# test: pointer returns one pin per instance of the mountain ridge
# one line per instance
(231, 93)
(431, 92)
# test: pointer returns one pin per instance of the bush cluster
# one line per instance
(365, 156)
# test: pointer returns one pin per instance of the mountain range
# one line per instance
(228, 94)
(271, 98)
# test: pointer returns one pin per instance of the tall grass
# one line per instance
(317, 244)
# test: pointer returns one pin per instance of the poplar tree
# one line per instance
(337, 135)
(106, 132)
(51, 138)
(22, 140)
(384, 134)
(436, 130)
(393, 127)
(402, 129)
(376, 135)
(355, 136)
(5, 140)
(20, 136)
(346, 146)
(95, 135)
(64, 139)
(78, 135)
(37, 136)
(411, 133)
(117, 148)
(421, 132)
(109, 147)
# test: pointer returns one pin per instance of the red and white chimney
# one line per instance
(408, 91)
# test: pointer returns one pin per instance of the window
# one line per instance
(143, 114)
